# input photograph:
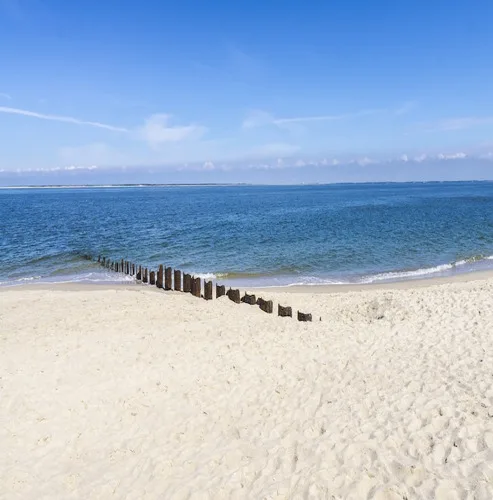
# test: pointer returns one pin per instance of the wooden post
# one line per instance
(121, 265)
(112, 266)
(284, 311)
(167, 278)
(177, 276)
(146, 276)
(133, 269)
(234, 295)
(220, 290)
(127, 267)
(265, 305)
(208, 290)
(304, 316)
(187, 283)
(160, 277)
(197, 287)
(192, 285)
(249, 299)
(104, 262)
(99, 259)
(139, 273)
(152, 278)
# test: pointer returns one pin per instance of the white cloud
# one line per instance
(73, 167)
(451, 156)
(420, 158)
(404, 158)
(57, 118)
(69, 168)
(3, 95)
(319, 118)
(362, 162)
(259, 118)
(208, 165)
(451, 124)
(157, 131)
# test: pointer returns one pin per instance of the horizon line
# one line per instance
(229, 184)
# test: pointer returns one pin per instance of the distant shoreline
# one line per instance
(234, 184)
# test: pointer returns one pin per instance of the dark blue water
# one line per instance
(255, 235)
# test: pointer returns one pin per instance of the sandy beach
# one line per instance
(130, 393)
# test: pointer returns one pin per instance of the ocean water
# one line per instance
(249, 235)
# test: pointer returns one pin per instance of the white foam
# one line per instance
(90, 277)
(205, 276)
(395, 275)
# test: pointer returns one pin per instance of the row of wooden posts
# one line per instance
(169, 279)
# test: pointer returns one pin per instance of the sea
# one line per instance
(248, 235)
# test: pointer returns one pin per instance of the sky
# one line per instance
(273, 91)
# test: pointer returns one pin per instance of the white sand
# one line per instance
(135, 393)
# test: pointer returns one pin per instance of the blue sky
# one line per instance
(269, 91)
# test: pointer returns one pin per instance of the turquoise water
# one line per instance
(250, 235)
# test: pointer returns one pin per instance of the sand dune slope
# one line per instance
(140, 394)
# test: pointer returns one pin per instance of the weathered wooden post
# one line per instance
(99, 259)
(127, 267)
(112, 266)
(208, 290)
(168, 285)
(234, 295)
(160, 277)
(284, 311)
(146, 275)
(304, 316)
(220, 290)
(197, 287)
(121, 266)
(104, 262)
(139, 273)
(152, 278)
(265, 305)
(187, 283)
(133, 269)
(249, 299)
(177, 280)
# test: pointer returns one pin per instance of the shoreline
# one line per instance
(289, 289)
